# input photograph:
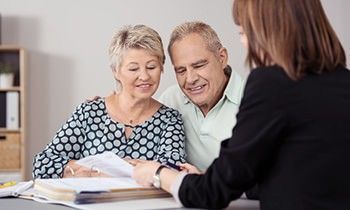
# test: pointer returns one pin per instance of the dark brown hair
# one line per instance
(294, 34)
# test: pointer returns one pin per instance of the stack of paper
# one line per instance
(92, 190)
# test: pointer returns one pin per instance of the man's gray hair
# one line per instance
(196, 27)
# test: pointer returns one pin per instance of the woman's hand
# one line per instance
(73, 170)
(133, 162)
(191, 169)
(144, 171)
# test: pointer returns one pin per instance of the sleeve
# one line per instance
(66, 145)
(172, 141)
(260, 125)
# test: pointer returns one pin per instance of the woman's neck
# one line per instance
(130, 111)
(132, 105)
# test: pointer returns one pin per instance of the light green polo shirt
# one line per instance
(204, 134)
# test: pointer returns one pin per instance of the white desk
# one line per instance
(17, 203)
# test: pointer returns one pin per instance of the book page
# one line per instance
(108, 163)
(95, 189)
(134, 204)
(15, 189)
(88, 184)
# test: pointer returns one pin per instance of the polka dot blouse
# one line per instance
(90, 131)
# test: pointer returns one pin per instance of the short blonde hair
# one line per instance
(196, 27)
(134, 37)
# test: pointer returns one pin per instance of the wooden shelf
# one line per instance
(10, 170)
(10, 48)
(13, 141)
(10, 89)
(5, 130)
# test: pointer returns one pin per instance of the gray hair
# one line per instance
(196, 27)
(134, 37)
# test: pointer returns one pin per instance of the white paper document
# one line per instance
(16, 189)
(108, 163)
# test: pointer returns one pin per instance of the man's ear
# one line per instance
(223, 56)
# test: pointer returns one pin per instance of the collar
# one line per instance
(234, 87)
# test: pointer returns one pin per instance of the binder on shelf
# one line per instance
(2, 110)
(0, 29)
(12, 110)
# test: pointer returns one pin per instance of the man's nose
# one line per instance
(191, 77)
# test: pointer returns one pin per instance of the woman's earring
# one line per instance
(118, 85)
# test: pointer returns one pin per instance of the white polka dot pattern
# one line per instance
(90, 131)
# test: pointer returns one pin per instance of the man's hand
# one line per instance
(134, 162)
(191, 169)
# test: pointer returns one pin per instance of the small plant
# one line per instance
(6, 68)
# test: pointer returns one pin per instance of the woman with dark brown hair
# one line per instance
(292, 133)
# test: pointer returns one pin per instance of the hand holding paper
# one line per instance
(105, 164)
(73, 169)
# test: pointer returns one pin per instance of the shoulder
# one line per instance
(168, 111)
(267, 93)
(173, 97)
(94, 105)
(270, 80)
(267, 87)
(264, 74)
(169, 114)
(172, 92)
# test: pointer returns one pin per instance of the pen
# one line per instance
(174, 166)
(7, 184)
(25, 186)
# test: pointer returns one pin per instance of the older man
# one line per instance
(208, 91)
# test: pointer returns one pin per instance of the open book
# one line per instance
(118, 186)
(93, 190)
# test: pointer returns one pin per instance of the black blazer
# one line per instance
(291, 137)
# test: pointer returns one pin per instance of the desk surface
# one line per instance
(17, 203)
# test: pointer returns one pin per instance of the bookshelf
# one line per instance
(12, 116)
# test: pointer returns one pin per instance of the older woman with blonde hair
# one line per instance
(292, 133)
(129, 123)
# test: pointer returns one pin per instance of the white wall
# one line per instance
(67, 44)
